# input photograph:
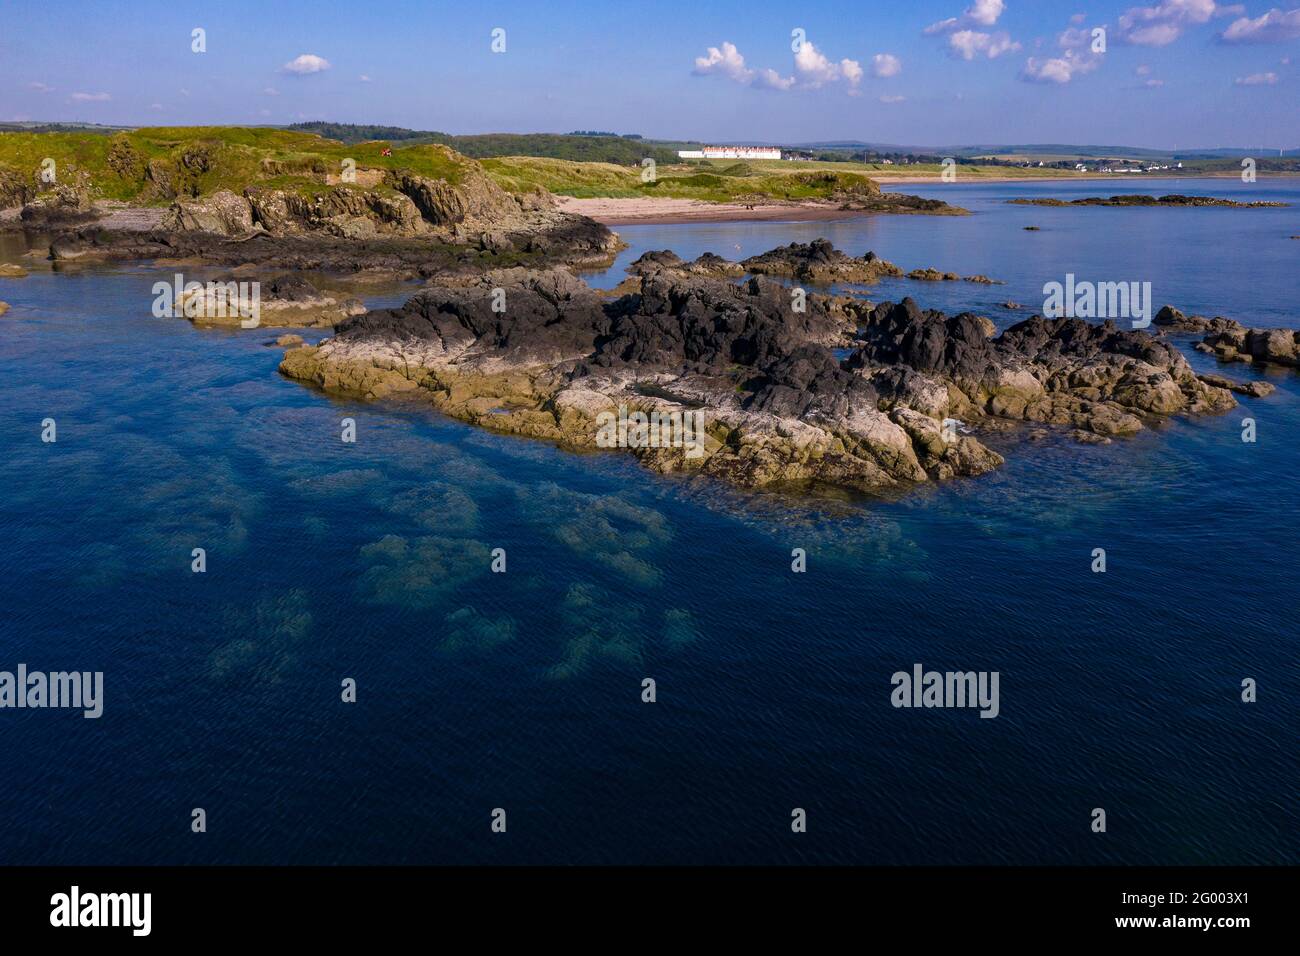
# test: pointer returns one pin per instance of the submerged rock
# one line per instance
(1253, 389)
(282, 301)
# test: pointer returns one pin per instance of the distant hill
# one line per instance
(29, 127)
(1037, 150)
(588, 147)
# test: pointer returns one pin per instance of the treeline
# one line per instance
(901, 159)
(599, 132)
(355, 133)
(581, 147)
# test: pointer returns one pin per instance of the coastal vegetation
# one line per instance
(154, 165)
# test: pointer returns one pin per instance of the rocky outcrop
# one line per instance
(15, 189)
(708, 264)
(284, 301)
(11, 270)
(1269, 346)
(466, 209)
(63, 204)
(1142, 200)
(221, 214)
(1253, 389)
(819, 262)
(1095, 378)
(4, 307)
(348, 212)
(539, 353)
(1173, 320)
(895, 203)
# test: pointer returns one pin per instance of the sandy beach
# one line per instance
(625, 212)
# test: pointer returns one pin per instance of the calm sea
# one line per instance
(522, 691)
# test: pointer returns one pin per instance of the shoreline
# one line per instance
(655, 211)
(661, 211)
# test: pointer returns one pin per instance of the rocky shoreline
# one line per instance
(791, 387)
(910, 404)
(388, 220)
(1144, 200)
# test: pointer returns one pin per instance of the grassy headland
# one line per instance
(153, 165)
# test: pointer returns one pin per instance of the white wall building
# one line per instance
(731, 152)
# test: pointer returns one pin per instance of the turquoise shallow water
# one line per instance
(522, 690)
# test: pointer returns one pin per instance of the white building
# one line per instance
(731, 152)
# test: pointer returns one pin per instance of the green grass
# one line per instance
(731, 182)
(200, 160)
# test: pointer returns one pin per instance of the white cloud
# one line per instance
(1163, 23)
(306, 63)
(1077, 57)
(40, 87)
(1074, 38)
(155, 106)
(1257, 79)
(1275, 26)
(981, 13)
(1059, 69)
(812, 69)
(363, 78)
(1153, 84)
(892, 99)
(1143, 70)
(967, 44)
(769, 79)
(815, 70)
(885, 65)
(91, 97)
(270, 91)
(985, 12)
(1078, 18)
(728, 61)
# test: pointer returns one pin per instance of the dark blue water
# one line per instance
(522, 690)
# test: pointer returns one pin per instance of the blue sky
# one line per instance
(921, 72)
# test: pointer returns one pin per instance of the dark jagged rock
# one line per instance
(541, 354)
(1098, 378)
(708, 264)
(820, 262)
(1143, 200)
